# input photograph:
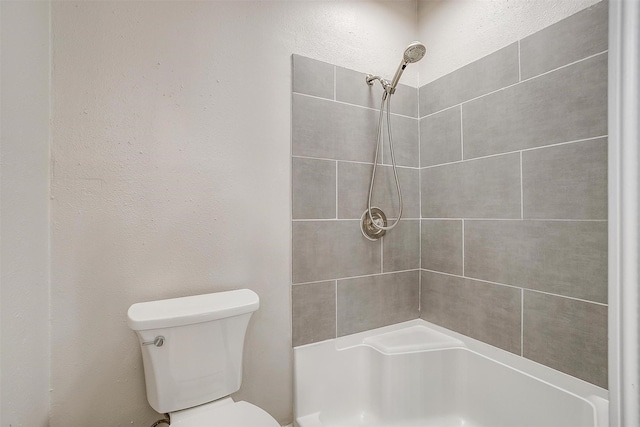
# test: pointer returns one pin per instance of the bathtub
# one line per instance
(417, 374)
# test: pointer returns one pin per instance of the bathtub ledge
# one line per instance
(411, 339)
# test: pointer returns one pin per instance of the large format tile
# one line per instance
(440, 138)
(332, 130)
(485, 75)
(566, 181)
(487, 312)
(313, 307)
(376, 301)
(312, 77)
(314, 188)
(483, 188)
(405, 101)
(565, 105)
(353, 190)
(351, 87)
(401, 247)
(560, 257)
(576, 37)
(567, 335)
(406, 142)
(332, 249)
(442, 245)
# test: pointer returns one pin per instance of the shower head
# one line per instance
(413, 53)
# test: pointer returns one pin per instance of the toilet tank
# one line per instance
(192, 346)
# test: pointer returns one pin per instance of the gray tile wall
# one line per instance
(504, 174)
(342, 282)
(514, 197)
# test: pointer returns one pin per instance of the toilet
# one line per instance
(192, 355)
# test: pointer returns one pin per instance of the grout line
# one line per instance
(345, 219)
(381, 136)
(357, 277)
(538, 219)
(441, 111)
(517, 83)
(419, 180)
(323, 219)
(419, 294)
(517, 151)
(352, 105)
(419, 209)
(335, 79)
(441, 219)
(336, 189)
(455, 219)
(420, 204)
(461, 136)
(575, 141)
(567, 65)
(336, 288)
(463, 248)
(420, 241)
(566, 296)
(521, 190)
(522, 322)
(352, 161)
(519, 64)
(515, 287)
(382, 255)
(291, 237)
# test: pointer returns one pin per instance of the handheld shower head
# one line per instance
(413, 53)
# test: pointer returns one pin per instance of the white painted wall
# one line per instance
(24, 213)
(171, 176)
(457, 32)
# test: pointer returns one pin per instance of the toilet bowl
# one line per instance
(192, 355)
(223, 413)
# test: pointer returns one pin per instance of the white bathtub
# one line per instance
(416, 374)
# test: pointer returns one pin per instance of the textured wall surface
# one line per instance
(24, 213)
(458, 32)
(171, 176)
(514, 197)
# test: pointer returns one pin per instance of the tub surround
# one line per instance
(514, 223)
(510, 175)
(342, 282)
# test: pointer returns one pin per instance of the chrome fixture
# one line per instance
(374, 221)
(371, 231)
(413, 53)
(157, 341)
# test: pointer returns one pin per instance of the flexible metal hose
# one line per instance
(385, 97)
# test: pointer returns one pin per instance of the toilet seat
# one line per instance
(223, 413)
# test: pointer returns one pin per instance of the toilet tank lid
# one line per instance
(173, 312)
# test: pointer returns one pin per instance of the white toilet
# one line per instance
(192, 354)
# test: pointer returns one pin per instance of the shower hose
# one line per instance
(386, 100)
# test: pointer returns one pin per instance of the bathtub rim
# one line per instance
(597, 397)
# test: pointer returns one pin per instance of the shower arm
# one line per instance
(385, 84)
